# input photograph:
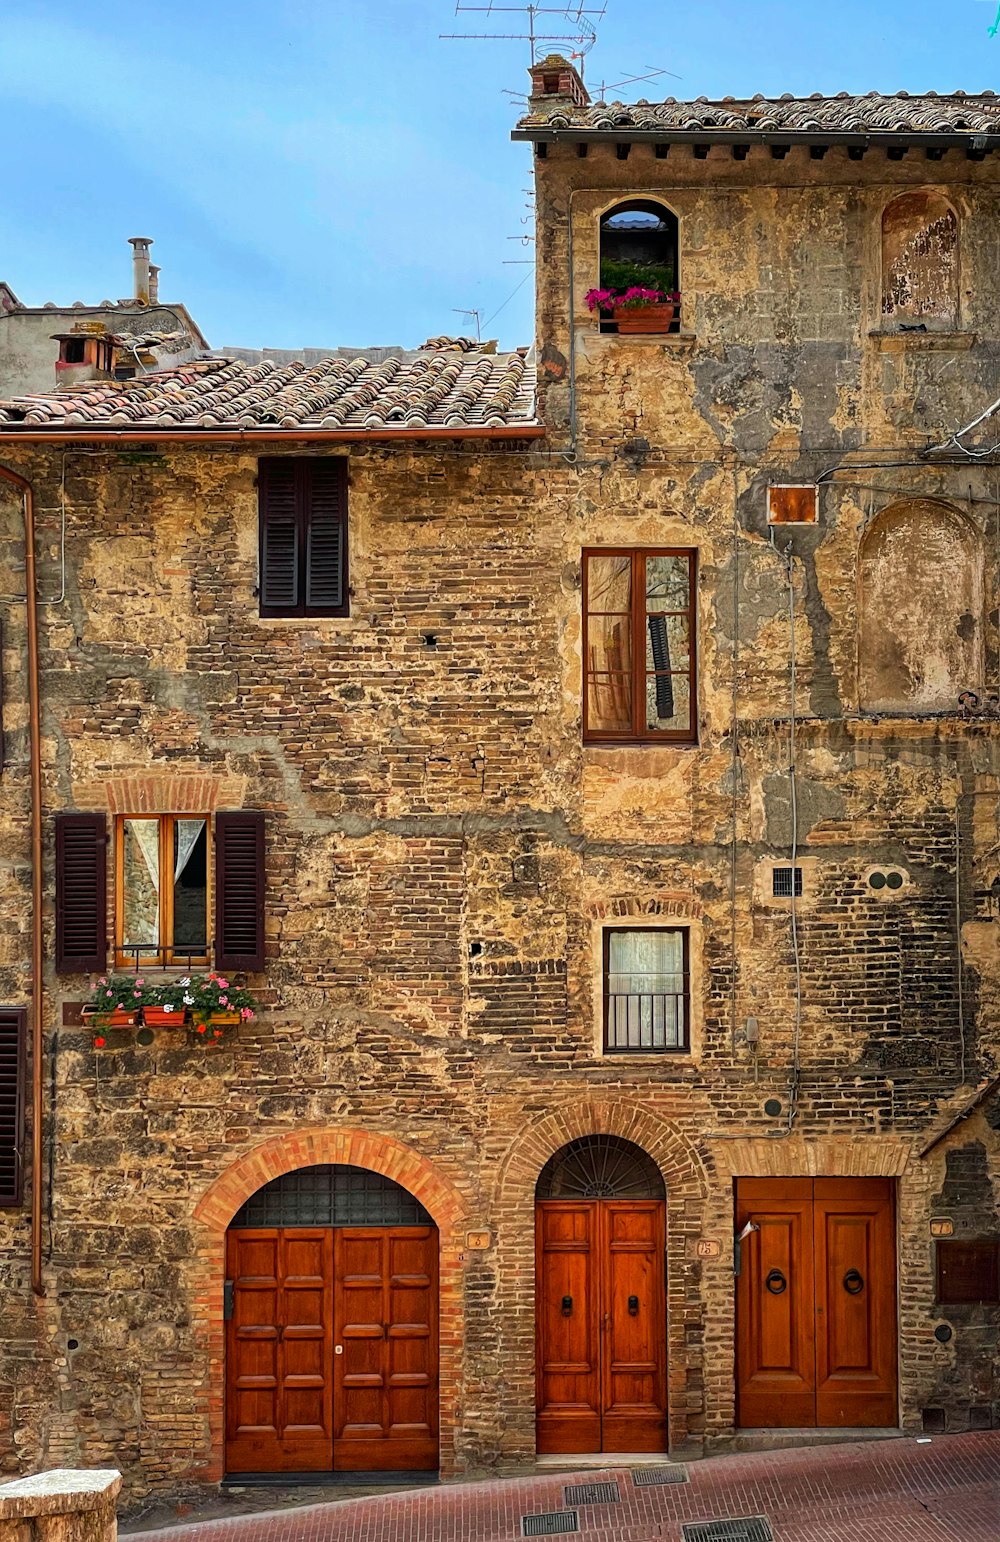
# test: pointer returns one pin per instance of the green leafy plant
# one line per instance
(117, 992)
(213, 995)
(637, 275)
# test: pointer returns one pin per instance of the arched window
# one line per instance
(600, 1167)
(920, 262)
(921, 608)
(638, 248)
(331, 1195)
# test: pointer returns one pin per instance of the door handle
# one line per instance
(338, 1349)
(567, 1306)
(633, 1306)
(854, 1282)
(776, 1283)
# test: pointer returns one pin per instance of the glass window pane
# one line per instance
(609, 584)
(668, 583)
(646, 1007)
(609, 683)
(668, 644)
(141, 881)
(668, 694)
(190, 886)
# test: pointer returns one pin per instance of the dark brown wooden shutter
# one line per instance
(12, 1056)
(280, 590)
(326, 529)
(303, 536)
(239, 891)
(81, 893)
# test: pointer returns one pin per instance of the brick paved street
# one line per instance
(947, 1490)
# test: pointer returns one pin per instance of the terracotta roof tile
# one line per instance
(955, 114)
(413, 390)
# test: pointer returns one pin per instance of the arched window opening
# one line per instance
(600, 1167)
(921, 609)
(638, 255)
(332, 1195)
(920, 263)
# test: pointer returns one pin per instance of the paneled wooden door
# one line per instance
(816, 1303)
(332, 1349)
(600, 1325)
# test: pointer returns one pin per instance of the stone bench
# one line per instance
(64, 1505)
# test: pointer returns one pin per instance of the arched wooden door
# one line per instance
(600, 1314)
(331, 1301)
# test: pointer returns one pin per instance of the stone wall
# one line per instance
(443, 852)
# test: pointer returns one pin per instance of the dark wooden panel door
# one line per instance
(816, 1303)
(854, 1231)
(775, 1308)
(634, 1349)
(386, 1350)
(601, 1326)
(279, 1341)
(567, 1326)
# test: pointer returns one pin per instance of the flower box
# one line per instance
(164, 1017)
(645, 318)
(120, 1017)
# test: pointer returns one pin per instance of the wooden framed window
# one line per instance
(303, 536)
(646, 990)
(162, 889)
(640, 683)
(13, 1022)
(968, 1272)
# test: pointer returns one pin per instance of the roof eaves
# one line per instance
(951, 139)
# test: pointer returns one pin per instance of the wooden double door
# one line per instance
(601, 1325)
(816, 1303)
(332, 1349)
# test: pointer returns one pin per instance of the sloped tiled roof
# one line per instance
(415, 391)
(842, 115)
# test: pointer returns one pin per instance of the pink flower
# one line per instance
(140, 982)
(102, 981)
(223, 984)
(246, 1014)
(109, 993)
(223, 1001)
(137, 994)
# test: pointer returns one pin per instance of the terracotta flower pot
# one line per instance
(224, 1019)
(163, 1017)
(121, 1017)
(646, 318)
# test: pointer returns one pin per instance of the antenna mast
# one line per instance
(580, 19)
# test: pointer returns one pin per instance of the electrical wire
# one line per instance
(793, 1091)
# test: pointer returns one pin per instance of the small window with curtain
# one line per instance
(639, 646)
(162, 890)
(303, 536)
(646, 990)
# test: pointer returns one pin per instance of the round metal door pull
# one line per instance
(854, 1282)
(338, 1349)
(776, 1282)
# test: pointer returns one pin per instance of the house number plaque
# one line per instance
(477, 1240)
(942, 1226)
(707, 1247)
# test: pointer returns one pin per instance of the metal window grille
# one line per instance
(786, 881)
(646, 990)
(600, 1167)
(332, 1196)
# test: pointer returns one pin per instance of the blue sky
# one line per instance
(327, 172)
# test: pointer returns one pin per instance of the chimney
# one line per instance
(140, 267)
(154, 283)
(556, 80)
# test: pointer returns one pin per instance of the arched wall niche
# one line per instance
(920, 258)
(639, 244)
(920, 606)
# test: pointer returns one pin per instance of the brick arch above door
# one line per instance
(307, 1148)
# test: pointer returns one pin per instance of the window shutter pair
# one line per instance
(12, 1057)
(303, 536)
(82, 892)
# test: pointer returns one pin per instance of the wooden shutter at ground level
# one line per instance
(12, 1052)
(239, 890)
(303, 536)
(81, 893)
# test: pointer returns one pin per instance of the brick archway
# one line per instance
(686, 1181)
(306, 1148)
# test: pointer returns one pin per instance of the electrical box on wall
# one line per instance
(792, 504)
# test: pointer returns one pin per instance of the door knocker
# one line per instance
(853, 1282)
(567, 1306)
(776, 1283)
(633, 1306)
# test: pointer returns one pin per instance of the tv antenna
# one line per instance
(578, 20)
(476, 315)
(633, 80)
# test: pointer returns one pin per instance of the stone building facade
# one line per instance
(810, 854)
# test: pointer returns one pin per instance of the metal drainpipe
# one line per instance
(37, 984)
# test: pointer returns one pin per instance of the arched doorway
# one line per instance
(332, 1327)
(600, 1315)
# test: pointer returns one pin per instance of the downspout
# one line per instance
(37, 985)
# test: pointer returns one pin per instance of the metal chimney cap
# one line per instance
(140, 240)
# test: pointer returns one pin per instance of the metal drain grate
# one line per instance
(551, 1525)
(750, 1528)
(592, 1494)
(667, 1472)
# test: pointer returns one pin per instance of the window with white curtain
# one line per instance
(646, 990)
(161, 888)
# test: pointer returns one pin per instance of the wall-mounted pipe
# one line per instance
(37, 982)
